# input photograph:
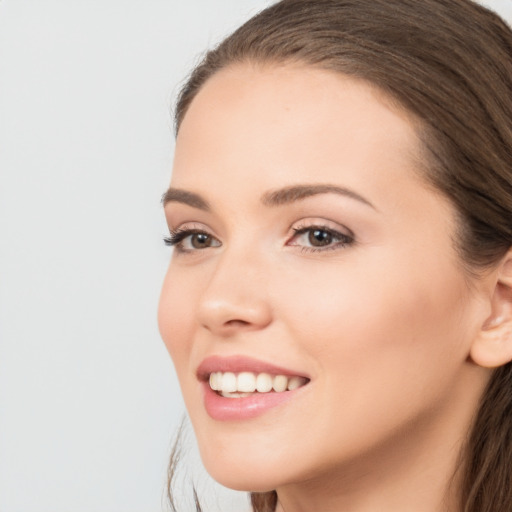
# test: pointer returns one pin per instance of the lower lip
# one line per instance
(243, 408)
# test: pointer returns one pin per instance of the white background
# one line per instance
(88, 397)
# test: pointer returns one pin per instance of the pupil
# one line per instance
(318, 237)
(200, 240)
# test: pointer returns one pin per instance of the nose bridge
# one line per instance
(235, 296)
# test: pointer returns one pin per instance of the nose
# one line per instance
(235, 298)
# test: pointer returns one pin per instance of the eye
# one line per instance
(318, 238)
(188, 240)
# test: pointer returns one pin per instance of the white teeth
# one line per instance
(246, 382)
(233, 385)
(228, 382)
(215, 380)
(234, 395)
(295, 382)
(280, 383)
(264, 383)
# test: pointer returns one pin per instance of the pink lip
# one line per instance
(243, 408)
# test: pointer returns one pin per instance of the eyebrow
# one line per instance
(277, 197)
(297, 192)
(192, 199)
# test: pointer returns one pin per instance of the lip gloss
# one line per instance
(242, 408)
(223, 408)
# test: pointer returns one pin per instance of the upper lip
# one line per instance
(239, 363)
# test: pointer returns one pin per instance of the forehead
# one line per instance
(277, 124)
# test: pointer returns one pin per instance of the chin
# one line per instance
(242, 470)
(248, 481)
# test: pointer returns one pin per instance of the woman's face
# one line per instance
(310, 252)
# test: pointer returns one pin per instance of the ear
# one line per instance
(493, 345)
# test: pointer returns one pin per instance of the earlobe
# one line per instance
(493, 345)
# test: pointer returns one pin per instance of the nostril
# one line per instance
(237, 323)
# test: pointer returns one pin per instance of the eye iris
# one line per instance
(200, 240)
(318, 237)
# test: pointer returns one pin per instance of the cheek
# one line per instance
(369, 325)
(386, 348)
(175, 318)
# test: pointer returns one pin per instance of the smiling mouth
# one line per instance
(244, 384)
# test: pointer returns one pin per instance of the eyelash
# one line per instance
(344, 239)
(177, 237)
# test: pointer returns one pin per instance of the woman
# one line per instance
(339, 301)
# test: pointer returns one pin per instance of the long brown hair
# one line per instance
(449, 63)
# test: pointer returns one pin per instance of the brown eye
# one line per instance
(319, 237)
(189, 240)
(200, 240)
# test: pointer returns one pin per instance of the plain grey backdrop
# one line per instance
(88, 397)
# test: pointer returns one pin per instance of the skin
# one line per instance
(382, 325)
